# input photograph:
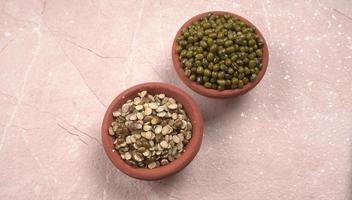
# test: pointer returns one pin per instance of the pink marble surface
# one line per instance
(62, 62)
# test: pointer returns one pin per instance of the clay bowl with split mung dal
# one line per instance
(214, 93)
(191, 149)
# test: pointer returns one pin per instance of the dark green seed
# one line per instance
(221, 82)
(228, 43)
(183, 53)
(221, 75)
(210, 57)
(252, 63)
(182, 43)
(178, 49)
(251, 42)
(207, 85)
(246, 71)
(213, 35)
(227, 76)
(259, 52)
(207, 72)
(213, 48)
(253, 77)
(200, 70)
(190, 39)
(188, 64)
(189, 54)
(192, 77)
(230, 70)
(240, 84)
(210, 41)
(234, 80)
(216, 67)
(230, 50)
(228, 62)
(203, 44)
(199, 57)
(245, 80)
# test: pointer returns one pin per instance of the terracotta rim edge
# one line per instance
(211, 92)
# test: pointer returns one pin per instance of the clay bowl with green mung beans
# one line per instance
(152, 130)
(220, 54)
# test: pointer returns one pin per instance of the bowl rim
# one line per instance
(212, 93)
(191, 148)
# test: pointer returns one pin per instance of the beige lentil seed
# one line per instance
(147, 128)
(140, 116)
(116, 113)
(164, 162)
(172, 106)
(161, 114)
(176, 139)
(152, 165)
(125, 108)
(148, 111)
(128, 156)
(139, 107)
(111, 131)
(164, 144)
(158, 129)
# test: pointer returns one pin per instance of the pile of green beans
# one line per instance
(220, 52)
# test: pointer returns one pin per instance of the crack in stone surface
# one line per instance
(79, 71)
(86, 134)
(5, 47)
(92, 51)
(342, 13)
(71, 133)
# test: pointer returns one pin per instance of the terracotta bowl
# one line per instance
(212, 92)
(191, 149)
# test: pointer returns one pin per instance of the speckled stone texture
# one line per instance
(62, 62)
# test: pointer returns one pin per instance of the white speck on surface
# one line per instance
(7, 34)
(310, 83)
(329, 24)
(243, 115)
(37, 190)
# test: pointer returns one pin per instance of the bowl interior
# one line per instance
(212, 92)
(190, 149)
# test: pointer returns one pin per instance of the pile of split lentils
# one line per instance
(150, 130)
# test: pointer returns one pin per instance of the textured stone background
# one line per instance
(62, 62)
